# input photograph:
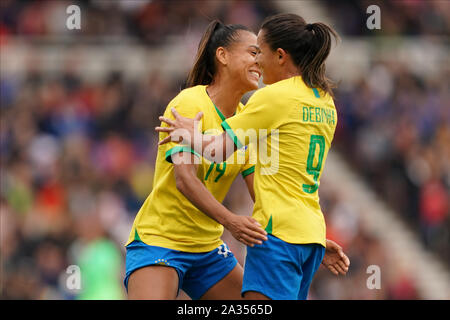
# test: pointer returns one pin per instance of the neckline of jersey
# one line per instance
(222, 117)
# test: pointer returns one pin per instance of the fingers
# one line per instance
(254, 221)
(333, 269)
(250, 232)
(339, 268)
(244, 241)
(256, 228)
(255, 236)
(336, 266)
(332, 246)
(336, 269)
(249, 240)
(342, 265)
(342, 255)
(175, 113)
(177, 116)
(346, 260)
(198, 116)
(165, 140)
(167, 120)
(164, 129)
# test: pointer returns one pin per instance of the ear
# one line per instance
(221, 55)
(282, 56)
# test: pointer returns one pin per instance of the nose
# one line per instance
(257, 64)
(257, 59)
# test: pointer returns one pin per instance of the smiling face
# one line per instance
(267, 60)
(241, 61)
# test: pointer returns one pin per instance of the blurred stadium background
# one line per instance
(77, 145)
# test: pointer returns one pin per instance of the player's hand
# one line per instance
(335, 259)
(180, 129)
(246, 230)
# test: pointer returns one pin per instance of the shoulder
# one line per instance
(274, 91)
(192, 94)
(240, 108)
(260, 96)
(268, 90)
(189, 100)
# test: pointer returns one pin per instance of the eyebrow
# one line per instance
(253, 46)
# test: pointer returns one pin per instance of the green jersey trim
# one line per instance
(222, 117)
(230, 132)
(316, 92)
(248, 171)
(136, 236)
(268, 228)
(177, 149)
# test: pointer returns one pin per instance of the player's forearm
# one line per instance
(214, 148)
(249, 182)
(199, 196)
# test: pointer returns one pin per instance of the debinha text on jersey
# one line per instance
(318, 115)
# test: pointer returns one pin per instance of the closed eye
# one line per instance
(254, 50)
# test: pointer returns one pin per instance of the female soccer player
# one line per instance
(295, 118)
(175, 239)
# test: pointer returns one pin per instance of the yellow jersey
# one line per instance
(293, 126)
(167, 218)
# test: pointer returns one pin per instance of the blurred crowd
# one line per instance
(149, 21)
(394, 128)
(398, 18)
(77, 157)
(77, 162)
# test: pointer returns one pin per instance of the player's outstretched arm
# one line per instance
(185, 130)
(335, 259)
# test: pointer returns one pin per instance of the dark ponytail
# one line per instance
(216, 35)
(308, 44)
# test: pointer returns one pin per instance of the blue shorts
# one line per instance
(197, 272)
(281, 270)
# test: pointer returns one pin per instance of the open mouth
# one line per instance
(257, 74)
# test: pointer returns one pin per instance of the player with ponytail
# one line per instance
(175, 242)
